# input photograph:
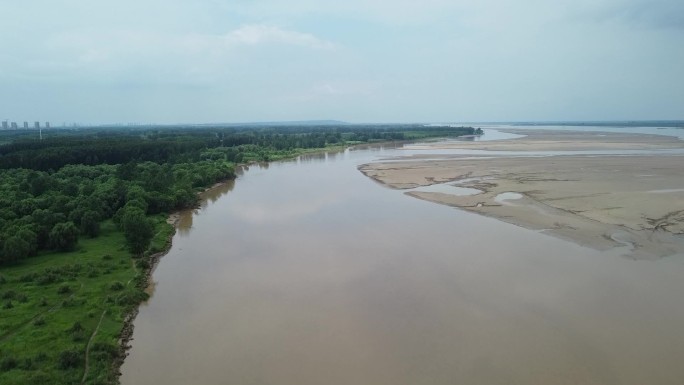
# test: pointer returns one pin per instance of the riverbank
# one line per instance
(628, 203)
(161, 245)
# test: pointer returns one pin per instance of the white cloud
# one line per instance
(165, 56)
(267, 34)
(339, 90)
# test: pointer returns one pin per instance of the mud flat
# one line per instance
(631, 203)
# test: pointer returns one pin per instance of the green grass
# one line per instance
(52, 292)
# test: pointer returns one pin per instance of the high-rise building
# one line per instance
(14, 126)
(47, 124)
(25, 125)
(36, 125)
(4, 125)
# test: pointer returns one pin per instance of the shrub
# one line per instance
(48, 278)
(130, 298)
(76, 327)
(9, 294)
(64, 289)
(40, 357)
(143, 264)
(27, 364)
(69, 359)
(30, 277)
(8, 363)
(40, 321)
(78, 336)
(104, 351)
(39, 378)
(116, 286)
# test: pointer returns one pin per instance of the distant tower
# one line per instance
(14, 125)
(25, 125)
(4, 125)
(47, 124)
(36, 124)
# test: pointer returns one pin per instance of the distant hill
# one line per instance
(292, 123)
(282, 123)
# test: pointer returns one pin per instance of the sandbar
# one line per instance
(631, 204)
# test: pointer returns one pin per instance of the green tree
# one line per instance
(64, 236)
(30, 238)
(90, 224)
(15, 249)
(43, 221)
(138, 230)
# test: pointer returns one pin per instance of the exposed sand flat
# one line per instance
(546, 140)
(633, 202)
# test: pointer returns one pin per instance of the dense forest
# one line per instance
(81, 211)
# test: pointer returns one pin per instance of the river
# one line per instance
(308, 273)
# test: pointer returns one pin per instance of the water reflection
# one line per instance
(314, 156)
(208, 197)
(213, 194)
(321, 156)
(184, 223)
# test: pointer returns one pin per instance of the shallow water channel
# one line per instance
(309, 273)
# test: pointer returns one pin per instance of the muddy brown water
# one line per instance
(308, 272)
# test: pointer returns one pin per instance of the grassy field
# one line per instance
(56, 307)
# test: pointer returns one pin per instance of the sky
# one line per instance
(208, 61)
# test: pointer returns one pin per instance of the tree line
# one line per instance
(56, 190)
(109, 146)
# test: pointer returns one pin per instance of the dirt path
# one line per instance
(90, 342)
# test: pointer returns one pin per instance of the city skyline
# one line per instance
(12, 124)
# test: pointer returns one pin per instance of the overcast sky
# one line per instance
(173, 61)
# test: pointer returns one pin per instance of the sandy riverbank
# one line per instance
(562, 140)
(604, 202)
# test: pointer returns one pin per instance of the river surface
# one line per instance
(309, 273)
